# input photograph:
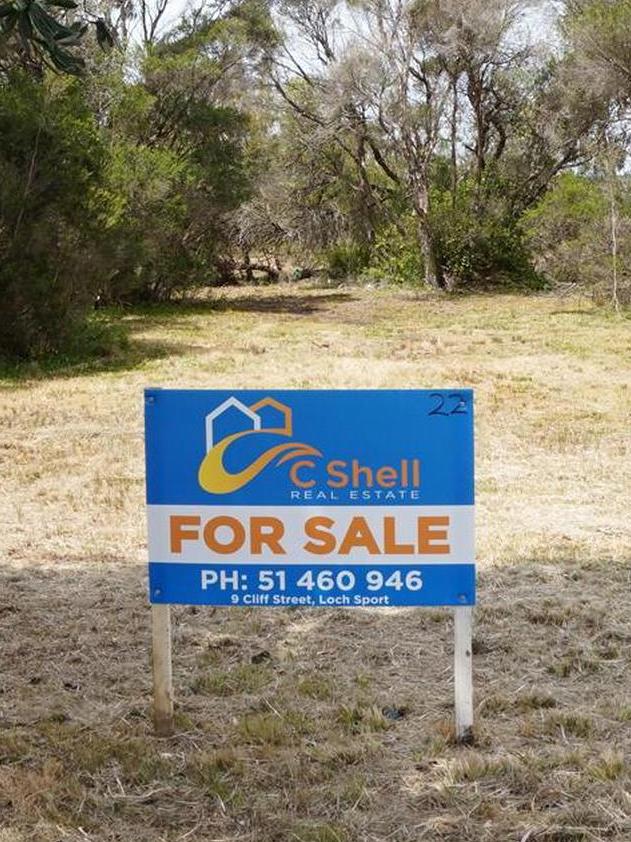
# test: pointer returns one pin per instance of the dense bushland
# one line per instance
(52, 161)
(432, 142)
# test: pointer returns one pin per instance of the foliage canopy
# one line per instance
(427, 143)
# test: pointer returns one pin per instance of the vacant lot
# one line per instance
(326, 726)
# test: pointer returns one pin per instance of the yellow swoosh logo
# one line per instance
(214, 477)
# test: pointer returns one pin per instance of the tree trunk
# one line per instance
(366, 200)
(247, 265)
(433, 270)
(610, 180)
(475, 93)
(613, 216)
(454, 140)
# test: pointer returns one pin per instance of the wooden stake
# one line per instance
(162, 678)
(463, 673)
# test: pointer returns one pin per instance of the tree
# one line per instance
(400, 81)
(50, 214)
(438, 104)
(600, 30)
(32, 36)
(178, 137)
(580, 231)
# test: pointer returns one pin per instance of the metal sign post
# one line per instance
(313, 499)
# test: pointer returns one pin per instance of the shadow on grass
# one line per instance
(170, 313)
(108, 343)
(291, 304)
(577, 311)
(96, 606)
(105, 345)
(344, 699)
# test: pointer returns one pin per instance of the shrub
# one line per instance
(347, 259)
(484, 247)
(148, 216)
(561, 228)
(169, 200)
(50, 168)
(396, 256)
(480, 246)
(569, 232)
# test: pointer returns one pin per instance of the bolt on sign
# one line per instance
(311, 498)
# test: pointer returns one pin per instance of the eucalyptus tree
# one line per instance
(408, 88)
(324, 127)
(395, 84)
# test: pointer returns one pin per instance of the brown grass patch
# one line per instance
(296, 747)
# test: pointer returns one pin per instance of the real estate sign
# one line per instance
(310, 498)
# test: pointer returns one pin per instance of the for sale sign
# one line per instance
(310, 498)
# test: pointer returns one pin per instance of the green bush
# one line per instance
(566, 230)
(472, 247)
(347, 259)
(396, 255)
(480, 246)
(569, 232)
(168, 201)
(51, 162)
(148, 217)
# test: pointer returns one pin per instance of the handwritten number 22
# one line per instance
(452, 404)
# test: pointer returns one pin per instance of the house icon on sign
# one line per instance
(249, 419)
(267, 415)
(275, 416)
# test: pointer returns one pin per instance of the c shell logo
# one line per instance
(213, 476)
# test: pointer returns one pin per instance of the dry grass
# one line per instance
(296, 747)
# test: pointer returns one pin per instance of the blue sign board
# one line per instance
(310, 498)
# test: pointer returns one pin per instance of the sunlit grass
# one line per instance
(297, 746)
